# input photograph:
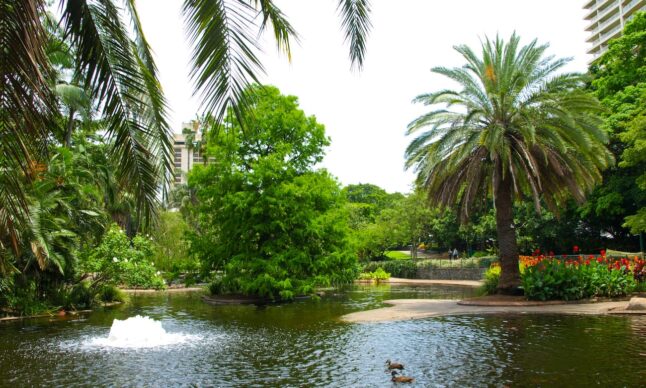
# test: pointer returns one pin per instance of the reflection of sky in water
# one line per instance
(304, 343)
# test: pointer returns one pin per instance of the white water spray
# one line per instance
(140, 332)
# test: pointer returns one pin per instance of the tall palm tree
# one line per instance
(515, 129)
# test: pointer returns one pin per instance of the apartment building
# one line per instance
(606, 20)
(186, 155)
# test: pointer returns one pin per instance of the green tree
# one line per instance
(366, 201)
(275, 225)
(619, 76)
(519, 129)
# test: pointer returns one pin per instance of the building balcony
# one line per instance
(603, 14)
(633, 6)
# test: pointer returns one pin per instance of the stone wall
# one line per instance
(451, 273)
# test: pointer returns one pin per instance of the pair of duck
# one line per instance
(393, 366)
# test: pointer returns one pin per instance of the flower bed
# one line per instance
(578, 277)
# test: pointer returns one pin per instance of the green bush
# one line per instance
(491, 278)
(118, 260)
(378, 275)
(554, 279)
(109, 293)
(396, 268)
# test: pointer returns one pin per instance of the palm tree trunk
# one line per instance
(510, 275)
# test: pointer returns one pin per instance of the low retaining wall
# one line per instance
(451, 273)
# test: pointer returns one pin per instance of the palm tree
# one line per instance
(516, 129)
(115, 66)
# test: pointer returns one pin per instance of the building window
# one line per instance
(197, 157)
(178, 157)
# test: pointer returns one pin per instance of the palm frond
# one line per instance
(355, 21)
(129, 96)
(27, 111)
(283, 30)
(224, 53)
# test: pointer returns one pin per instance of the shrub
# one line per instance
(555, 279)
(378, 275)
(396, 268)
(491, 278)
(118, 260)
(109, 293)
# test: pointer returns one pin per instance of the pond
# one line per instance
(305, 344)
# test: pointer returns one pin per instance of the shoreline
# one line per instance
(405, 309)
(425, 282)
(168, 290)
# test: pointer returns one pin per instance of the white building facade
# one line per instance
(186, 155)
(606, 20)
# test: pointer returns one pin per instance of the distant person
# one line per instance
(450, 253)
(455, 253)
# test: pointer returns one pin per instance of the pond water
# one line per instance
(305, 344)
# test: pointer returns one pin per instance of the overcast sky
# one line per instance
(366, 113)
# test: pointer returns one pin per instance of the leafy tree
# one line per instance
(519, 130)
(619, 76)
(170, 246)
(273, 224)
(366, 201)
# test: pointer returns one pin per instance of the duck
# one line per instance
(400, 379)
(394, 365)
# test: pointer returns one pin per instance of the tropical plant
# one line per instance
(515, 129)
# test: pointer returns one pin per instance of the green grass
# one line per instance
(396, 255)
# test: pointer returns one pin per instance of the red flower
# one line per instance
(575, 248)
(603, 252)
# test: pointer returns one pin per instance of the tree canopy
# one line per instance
(278, 226)
(620, 83)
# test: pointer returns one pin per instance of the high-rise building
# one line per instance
(185, 153)
(606, 21)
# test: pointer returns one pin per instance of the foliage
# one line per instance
(119, 260)
(276, 227)
(366, 202)
(110, 293)
(396, 268)
(225, 49)
(514, 129)
(170, 248)
(491, 278)
(377, 275)
(404, 223)
(619, 76)
(572, 280)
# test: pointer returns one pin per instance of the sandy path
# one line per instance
(402, 309)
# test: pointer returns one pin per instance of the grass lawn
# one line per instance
(396, 255)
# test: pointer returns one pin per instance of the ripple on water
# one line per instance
(304, 344)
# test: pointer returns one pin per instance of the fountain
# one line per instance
(139, 332)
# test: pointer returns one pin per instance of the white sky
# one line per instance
(366, 113)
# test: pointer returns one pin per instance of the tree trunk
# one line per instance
(510, 275)
(70, 128)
